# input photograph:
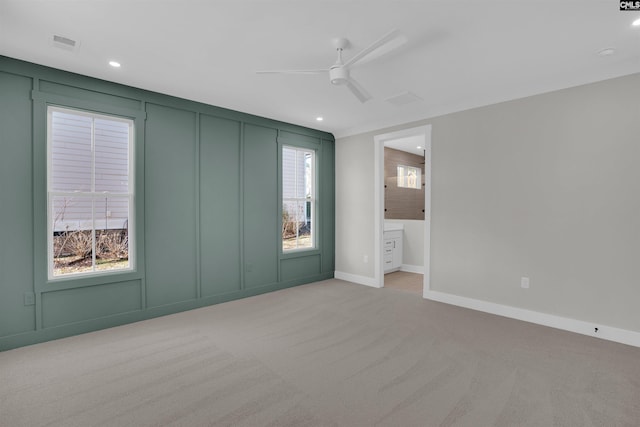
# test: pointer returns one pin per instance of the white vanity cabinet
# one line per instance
(392, 247)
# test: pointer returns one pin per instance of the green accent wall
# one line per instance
(16, 211)
(170, 204)
(260, 200)
(207, 209)
(220, 223)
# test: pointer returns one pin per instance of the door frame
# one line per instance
(378, 200)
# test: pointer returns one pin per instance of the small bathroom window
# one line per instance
(409, 177)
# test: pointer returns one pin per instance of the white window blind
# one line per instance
(90, 192)
(298, 198)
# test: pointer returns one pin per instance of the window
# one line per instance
(409, 177)
(90, 194)
(298, 198)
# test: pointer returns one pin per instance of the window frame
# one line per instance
(130, 196)
(313, 199)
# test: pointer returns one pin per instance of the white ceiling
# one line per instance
(410, 144)
(460, 54)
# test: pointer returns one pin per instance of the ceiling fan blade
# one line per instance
(379, 47)
(291, 71)
(358, 91)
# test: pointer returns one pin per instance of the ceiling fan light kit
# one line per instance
(339, 75)
(339, 72)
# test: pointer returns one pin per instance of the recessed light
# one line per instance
(114, 64)
(636, 23)
(319, 119)
(607, 52)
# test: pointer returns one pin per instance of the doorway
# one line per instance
(411, 136)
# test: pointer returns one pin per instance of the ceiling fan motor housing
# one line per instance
(339, 71)
(338, 75)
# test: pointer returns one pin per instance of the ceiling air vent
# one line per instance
(403, 99)
(64, 43)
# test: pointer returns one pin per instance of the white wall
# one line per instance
(546, 187)
(412, 242)
(354, 207)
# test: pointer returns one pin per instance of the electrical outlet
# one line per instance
(365, 258)
(524, 282)
(29, 298)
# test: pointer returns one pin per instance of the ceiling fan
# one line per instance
(339, 72)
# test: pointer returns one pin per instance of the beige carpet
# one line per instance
(325, 354)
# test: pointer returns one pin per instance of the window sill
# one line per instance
(299, 253)
(85, 280)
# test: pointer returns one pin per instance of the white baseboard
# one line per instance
(605, 332)
(361, 280)
(412, 268)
